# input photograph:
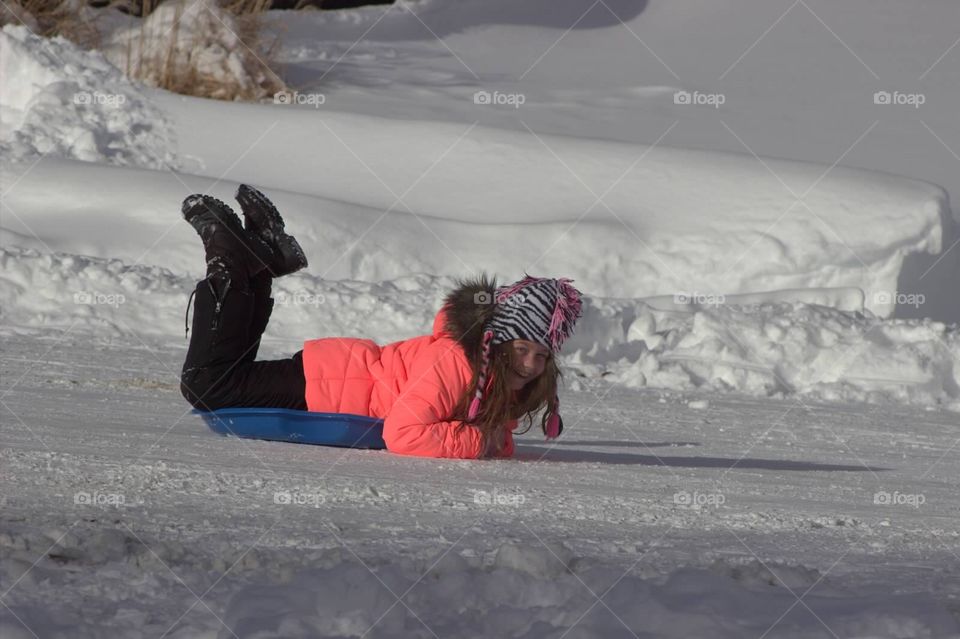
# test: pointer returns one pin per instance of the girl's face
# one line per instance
(527, 362)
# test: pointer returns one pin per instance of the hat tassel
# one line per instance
(482, 379)
(553, 426)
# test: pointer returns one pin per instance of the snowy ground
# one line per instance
(791, 506)
(718, 476)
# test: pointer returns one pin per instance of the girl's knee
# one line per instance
(196, 389)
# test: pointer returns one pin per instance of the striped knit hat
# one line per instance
(537, 309)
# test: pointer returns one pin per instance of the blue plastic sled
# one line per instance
(297, 426)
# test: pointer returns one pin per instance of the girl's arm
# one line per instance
(415, 424)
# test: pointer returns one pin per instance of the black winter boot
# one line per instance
(229, 248)
(262, 219)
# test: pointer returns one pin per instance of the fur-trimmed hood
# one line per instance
(466, 309)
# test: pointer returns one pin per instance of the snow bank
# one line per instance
(772, 349)
(627, 220)
(764, 348)
(109, 296)
(520, 590)
(57, 100)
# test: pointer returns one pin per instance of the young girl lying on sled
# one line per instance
(490, 360)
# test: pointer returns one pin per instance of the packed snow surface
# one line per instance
(657, 514)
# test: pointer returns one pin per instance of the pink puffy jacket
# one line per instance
(413, 385)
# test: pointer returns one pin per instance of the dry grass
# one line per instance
(175, 61)
(250, 30)
(246, 7)
(71, 19)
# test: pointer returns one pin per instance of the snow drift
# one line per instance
(773, 348)
(629, 220)
(757, 347)
(59, 101)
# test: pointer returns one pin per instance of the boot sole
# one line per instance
(267, 222)
(201, 210)
(260, 211)
(291, 253)
(198, 203)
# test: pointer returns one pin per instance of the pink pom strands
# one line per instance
(553, 426)
(565, 314)
(482, 379)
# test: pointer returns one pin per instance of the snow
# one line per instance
(60, 101)
(763, 349)
(687, 522)
(798, 79)
(760, 403)
(667, 226)
(649, 220)
(774, 348)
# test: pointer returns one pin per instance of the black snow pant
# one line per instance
(220, 371)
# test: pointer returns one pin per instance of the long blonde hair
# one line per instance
(501, 404)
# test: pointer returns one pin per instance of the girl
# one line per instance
(490, 360)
